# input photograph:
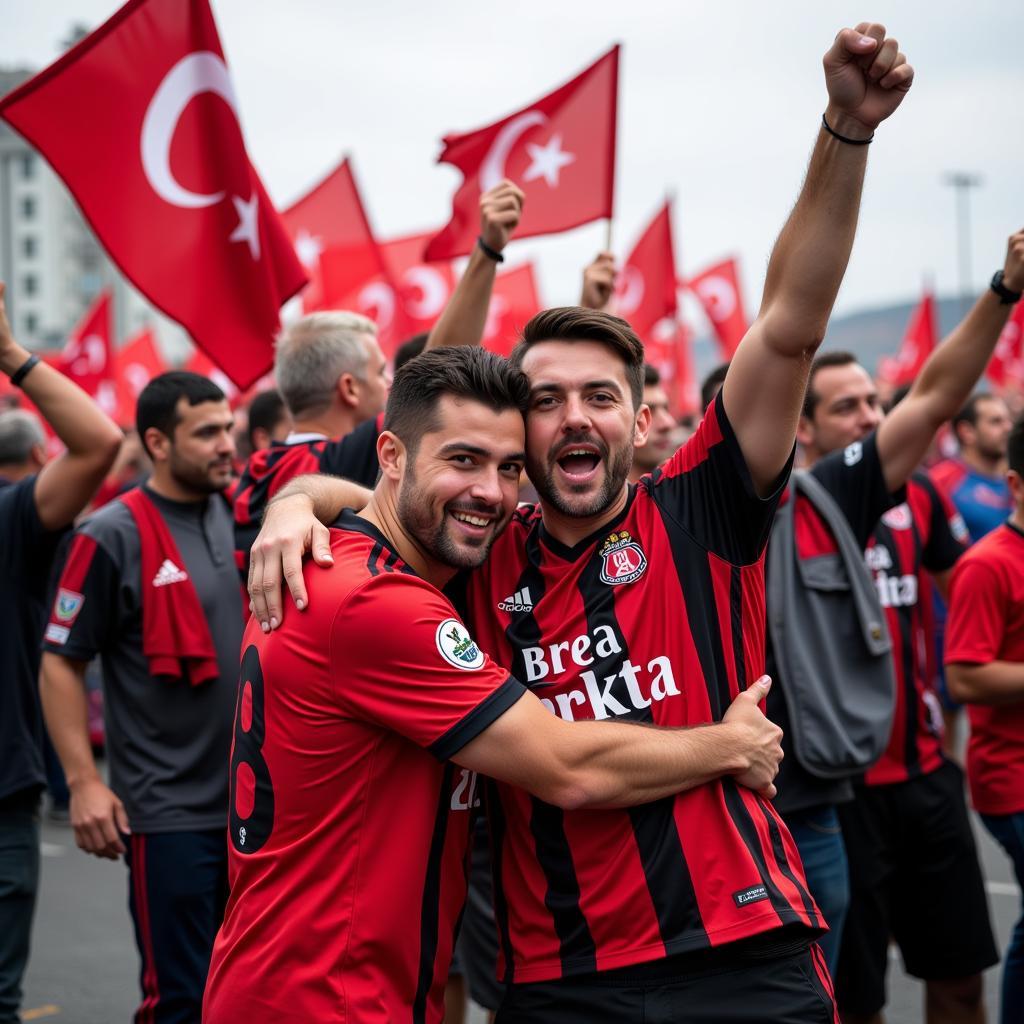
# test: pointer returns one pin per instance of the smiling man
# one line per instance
(149, 585)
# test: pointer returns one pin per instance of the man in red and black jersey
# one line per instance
(905, 823)
(646, 603)
(334, 379)
(349, 825)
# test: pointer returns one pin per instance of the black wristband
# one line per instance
(491, 254)
(23, 371)
(843, 138)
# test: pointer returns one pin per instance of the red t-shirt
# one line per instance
(924, 534)
(985, 624)
(348, 827)
(658, 617)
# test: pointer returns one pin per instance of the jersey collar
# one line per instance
(354, 523)
(571, 554)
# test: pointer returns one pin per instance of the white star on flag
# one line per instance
(248, 230)
(548, 160)
(308, 248)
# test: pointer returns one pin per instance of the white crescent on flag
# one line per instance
(432, 289)
(719, 297)
(90, 356)
(492, 170)
(629, 292)
(377, 301)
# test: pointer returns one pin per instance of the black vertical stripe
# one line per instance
(371, 562)
(496, 828)
(784, 866)
(551, 844)
(430, 910)
(736, 617)
(389, 562)
(748, 833)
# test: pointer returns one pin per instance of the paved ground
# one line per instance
(84, 966)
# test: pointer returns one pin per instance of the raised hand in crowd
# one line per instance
(599, 282)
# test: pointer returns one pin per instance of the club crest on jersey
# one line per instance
(899, 518)
(457, 647)
(622, 559)
(68, 605)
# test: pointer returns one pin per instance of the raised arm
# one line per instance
(599, 282)
(65, 484)
(465, 316)
(867, 78)
(620, 764)
(948, 377)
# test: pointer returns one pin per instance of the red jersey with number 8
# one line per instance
(349, 827)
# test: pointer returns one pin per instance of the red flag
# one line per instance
(513, 301)
(560, 150)
(1006, 367)
(668, 348)
(202, 364)
(918, 343)
(135, 365)
(88, 356)
(332, 238)
(140, 120)
(423, 288)
(645, 291)
(718, 289)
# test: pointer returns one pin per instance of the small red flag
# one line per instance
(919, 341)
(202, 364)
(718, 289)
(560, 150)
(645, 291)
(135, 365)
(423, 288)
(140, 120)
(1006, 367)
(88, 356)
(513, 302)
(668, 348)
(332, 238)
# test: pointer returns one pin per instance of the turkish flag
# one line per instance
(718, 289)
(135, 365)
(423, 288)
(560, 150)
(332, 238)
(513, 302)
(140, 120)
(1006, 367)
(88, 356)
(919, 341)
(668, 348)
(645, 291)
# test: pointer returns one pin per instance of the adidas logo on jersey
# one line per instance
(517, 602)
(169, 573)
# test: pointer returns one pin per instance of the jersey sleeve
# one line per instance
(84, 601)
(976, 621)
(947, 532)
(706, 487)
(402, 659)
(855, 479)
(354, 456)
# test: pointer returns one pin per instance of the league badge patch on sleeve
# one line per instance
(67, 605)
(457, 647)
(622, 559)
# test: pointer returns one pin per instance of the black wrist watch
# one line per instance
(1006, 297)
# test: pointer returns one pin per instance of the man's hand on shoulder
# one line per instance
(759, 741)
(866, 77)
(500, 210)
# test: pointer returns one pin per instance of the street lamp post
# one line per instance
(962, 183)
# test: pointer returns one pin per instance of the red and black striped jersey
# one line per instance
(353, 457)
(658, 617)
(349, 828)
(923, 534)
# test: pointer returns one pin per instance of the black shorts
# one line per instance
(914, 876)
(791, 988)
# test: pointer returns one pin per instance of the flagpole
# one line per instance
(608, 235)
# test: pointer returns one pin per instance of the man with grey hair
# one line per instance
(39, 498)
(334, 379)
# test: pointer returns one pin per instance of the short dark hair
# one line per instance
(1015, 447)
(158, 404)
(266, 411)
(969, 413)
(410, 349)
(651, 376)
(825, 360)
(461, 372)
(575, 323)
(712, 384)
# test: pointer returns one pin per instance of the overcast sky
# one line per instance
(719, 104)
